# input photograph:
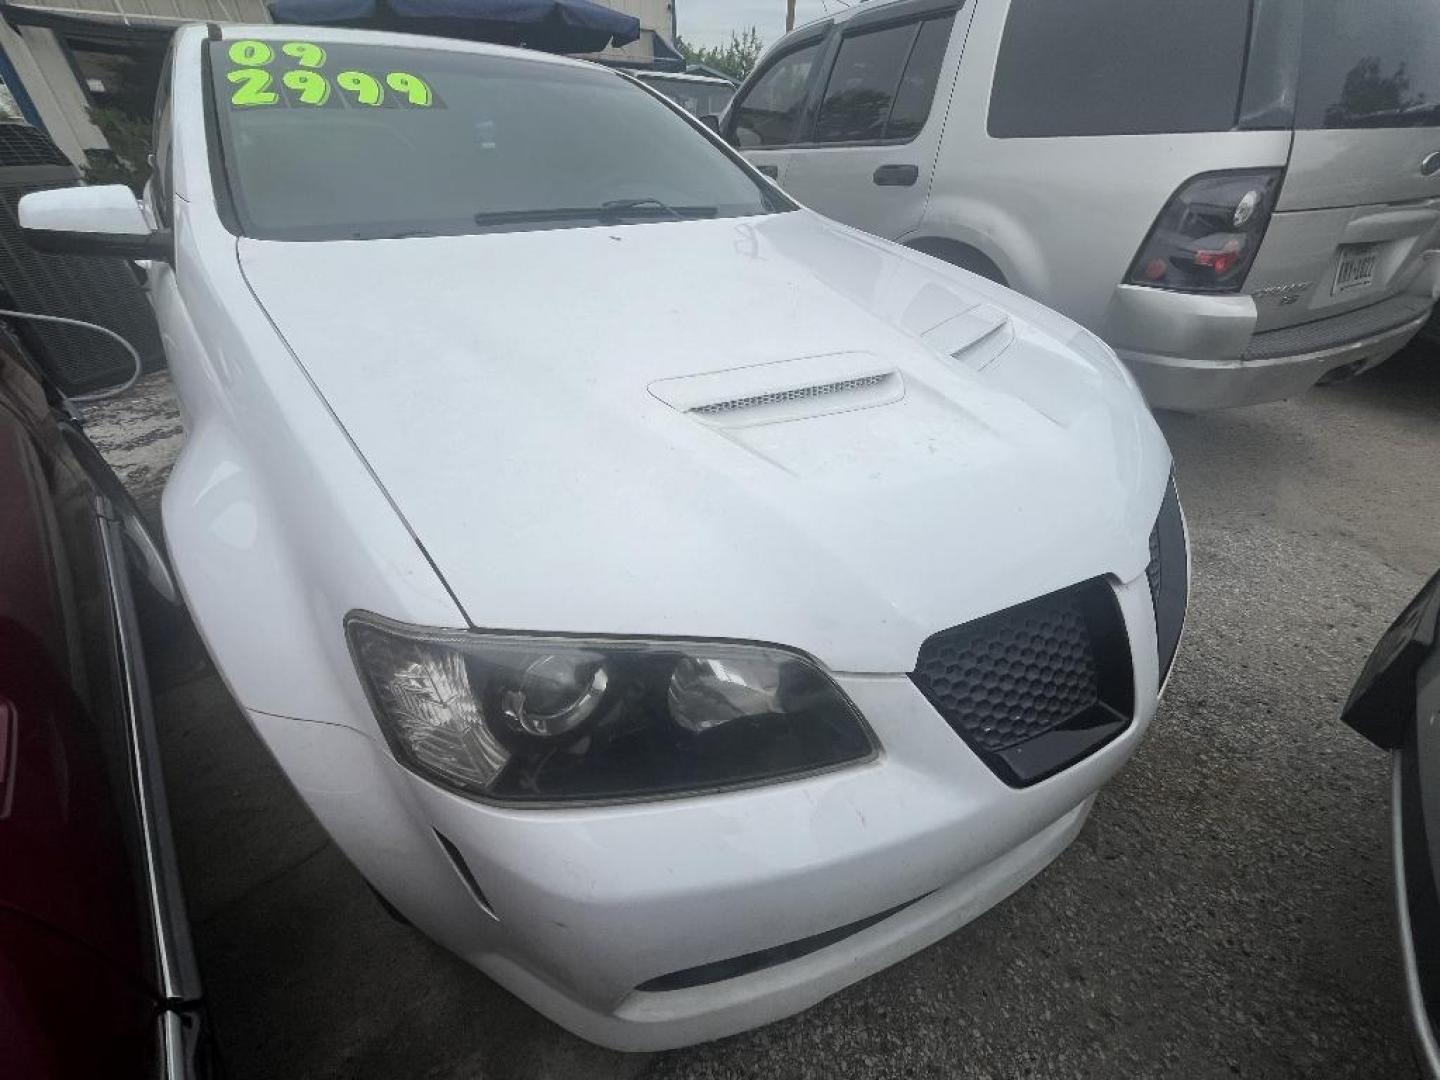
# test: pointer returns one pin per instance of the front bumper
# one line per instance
(574, 910)
(1196, 353)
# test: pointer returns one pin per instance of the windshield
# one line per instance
(331, 141)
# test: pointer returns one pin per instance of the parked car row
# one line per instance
(1242, 199)
(677, 688)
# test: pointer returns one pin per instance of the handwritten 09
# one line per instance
(255, 84)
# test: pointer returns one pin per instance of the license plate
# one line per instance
(1357, 268)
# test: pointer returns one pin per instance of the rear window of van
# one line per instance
(1119, 67)
(1370, 64)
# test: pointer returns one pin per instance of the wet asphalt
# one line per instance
(1225, 913)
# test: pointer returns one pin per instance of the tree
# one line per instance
(128, 159)
(1370, 94)
(121, 110)
(736, 57)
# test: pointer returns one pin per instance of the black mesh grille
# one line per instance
(1015, 676)
(1152, 571)
(21, 144)
(1168, 574)
(735, 967)
(1036, 687)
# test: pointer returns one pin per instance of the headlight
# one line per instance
(547, 719)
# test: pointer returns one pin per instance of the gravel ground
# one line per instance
(139, 434)
(1226, 911)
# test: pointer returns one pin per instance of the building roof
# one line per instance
(132, 14)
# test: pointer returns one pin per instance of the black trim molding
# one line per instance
(158, 245)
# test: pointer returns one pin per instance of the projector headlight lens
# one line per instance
(543, 719)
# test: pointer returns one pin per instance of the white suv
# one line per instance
(1242, 198)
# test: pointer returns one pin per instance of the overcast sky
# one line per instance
(709, 22)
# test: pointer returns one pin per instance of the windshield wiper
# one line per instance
(516, 217)
(624, 205)
(652, 206)
(613, 210)
(403, 234)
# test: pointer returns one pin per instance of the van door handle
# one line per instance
(897, 175)
(772, 171)
(1431, 165)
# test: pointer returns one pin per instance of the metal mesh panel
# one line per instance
(21, 144)
(1009, 677)
(781, 396)
(96, 289)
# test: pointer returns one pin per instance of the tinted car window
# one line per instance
(1371, 64)
(917, 87)
(770, 109)
(374, 141)
(862, 85)
(700, 98)
(1119, 67)
(162, 180)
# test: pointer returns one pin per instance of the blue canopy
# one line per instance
(552, 25)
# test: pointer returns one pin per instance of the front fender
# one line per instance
(276, 526)
(240, 580)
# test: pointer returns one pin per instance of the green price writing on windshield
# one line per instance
(304, 53)
(313, 88)
(251, 53)
(254, 86)
(366, 88)
(412, 87)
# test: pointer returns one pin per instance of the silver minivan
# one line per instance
(1241, 196)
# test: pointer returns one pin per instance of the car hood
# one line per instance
(773, 429)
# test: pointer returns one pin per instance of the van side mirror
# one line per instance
(711, 121)
(102, 220)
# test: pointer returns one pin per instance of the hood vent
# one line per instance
(780, 397)
(789, 390)
(975, 337)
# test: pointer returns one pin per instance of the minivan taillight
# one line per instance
(1207, 236)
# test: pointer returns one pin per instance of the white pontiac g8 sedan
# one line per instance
(676, 603)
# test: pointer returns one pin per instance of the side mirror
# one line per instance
(711, 121)
(103, 220)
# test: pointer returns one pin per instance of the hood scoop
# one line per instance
(975, 337)
(783, 391)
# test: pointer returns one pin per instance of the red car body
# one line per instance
(97, 978)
